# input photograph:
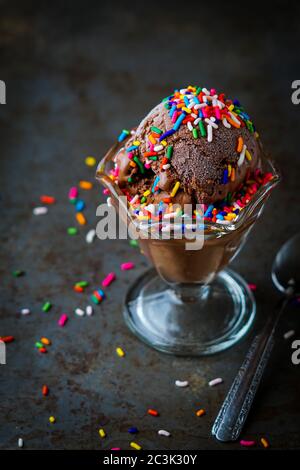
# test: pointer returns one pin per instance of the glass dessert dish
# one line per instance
(190, 303)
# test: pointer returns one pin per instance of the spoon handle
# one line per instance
(234, 411)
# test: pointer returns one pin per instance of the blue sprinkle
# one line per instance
(123, 135)
(133, 147)
(236, 102)
(133, 430)
(179, 121)
(208, 212)
(186, 100)
(172, 111)
(225, 176)
(195, 99)
(155, 183)
(219, 216)
(101, 293)
(166, 134)
(80, 205)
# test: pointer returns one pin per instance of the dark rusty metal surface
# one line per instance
(75, 75)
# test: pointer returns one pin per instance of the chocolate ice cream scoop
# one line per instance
(196, 146)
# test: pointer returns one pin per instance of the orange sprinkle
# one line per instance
(133, 164)
(232, 176)
(152, 412)
(240, 144)
(264, 442)
(85, 184)
(80, 218)
(45, 390)
(200, 412)
(45, 341)
(152, 139)
(78, 288)
(232, 122)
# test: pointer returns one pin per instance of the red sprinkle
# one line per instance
(47, 199)
(45, 390)
(7, 339)
(42, 350)
(252, 287)
(78, 288)
(152, 412)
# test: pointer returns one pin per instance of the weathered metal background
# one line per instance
(75, 75)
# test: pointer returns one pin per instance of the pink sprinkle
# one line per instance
(115, 448)
(147, 165)
(63, 320)
(151, 147)
(130, 155)
(252, 287)
(247, 443)
(73, 193)
(218, 112)
(108, 279)
(127, 266)
(174, 117)
(106, 191)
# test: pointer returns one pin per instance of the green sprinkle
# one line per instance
(39, 345)
(129, 179)
(139, 164)
(82, 284)
(143, 199)
(73, 200)
(72, 231)
(152, 158)
(94, 299)
(126, 131)
(133, 243)
(156, 129)
(18, 273)
(199, 89)
(202, 129)
(228, 197)
(195, 133)
(46, 307)
(169, 151)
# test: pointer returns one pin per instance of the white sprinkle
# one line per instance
(226, 123)
(209, 133)
(205, 90)
(79, 312)
(194, 115)
(288, 334)
(242, 156)
(89, 310)
(158, 148)
(183, 90)
(220, 104)
(90, 236)
(181, 383)
(166, 167)
(204, 99)
(234, 119)
(190, 105)
(163, 432)
(215, 102)
(197, 121)
(213, 119)
(170, 215)
(224, 222)
(40, 210)
(211, 123)
(25, 311)
(134, 199)
(200, 105)
(150, 208)
(190, 126)
(20, 442)
(109, 201)
(214, 382)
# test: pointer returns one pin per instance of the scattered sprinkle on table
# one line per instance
(79, 312)
(102, 433)
(46, 307)
(52, 419)
(135, 445)
(89, 310)
(200, 412)
(289, 334)
(247, 443)
(120, 352)
(181, 383)
(40, 210)
(163, 432)
(72, 231)
(43, 350)
(152, 412)
(73, 194)
(25, 311)
(45, 341)
(81, 218)
(47, 199)
(97, 296)
(20, 442)
(45, 390)
(18, 273)
(85, 184)
(252, 286)
(214, 382)
(108, 279)
(63, 320)
(133, 243)
(90, 161)
(133, 430)
(7, 339)
(90, 236)
(127, 266)
(265, 442)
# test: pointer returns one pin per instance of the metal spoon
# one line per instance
(234, 411)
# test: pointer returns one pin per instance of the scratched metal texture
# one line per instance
(76, 74)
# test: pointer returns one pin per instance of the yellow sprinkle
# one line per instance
(85, 184)
(175, 189)
(264, 442)
(200, 412)
(52, 419)
(146, 193)
(248, 155)
(231, 107)
(46, 341)
(80, 218)
(187, 110)
(164, 143)
(152, 139)
(102, 433)
(229, 171)
(232, 176)
(120, 352)
(136, 142)
(90, 161)
(135, 446)
(256, 135)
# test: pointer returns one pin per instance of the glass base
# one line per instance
(190, 321)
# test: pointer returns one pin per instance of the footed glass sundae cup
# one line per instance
(190, 303)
